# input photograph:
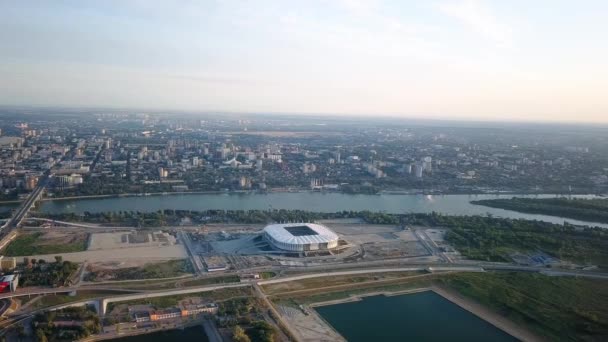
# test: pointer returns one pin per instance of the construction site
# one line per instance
(238, 247)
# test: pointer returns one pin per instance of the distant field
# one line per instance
(46, 243)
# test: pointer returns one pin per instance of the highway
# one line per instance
(4, 305)
(139, 294)
(319, 274)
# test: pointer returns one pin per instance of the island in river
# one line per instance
(586, 209)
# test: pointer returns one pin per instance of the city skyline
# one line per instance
(472, 60)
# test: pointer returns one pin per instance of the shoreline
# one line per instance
(359, 297)
(482, 312)
(487, 315)
(253, 192)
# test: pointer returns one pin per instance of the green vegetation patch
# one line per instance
(493, 239)
(560, 308)
(58, 299)
(267, 275)
(55, 274)
(594, 209)
(67, 324)
(30, 244)
(212, 280)
(169, 301)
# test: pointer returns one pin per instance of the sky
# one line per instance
(540, 60)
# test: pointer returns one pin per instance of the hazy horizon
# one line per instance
(446, 59)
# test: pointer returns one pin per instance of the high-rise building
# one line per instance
(31, 182)
(427, 164)
(407, 168)
(418, 170)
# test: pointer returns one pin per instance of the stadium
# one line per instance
(300, 237)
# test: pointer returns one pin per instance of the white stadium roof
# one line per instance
(301, 233)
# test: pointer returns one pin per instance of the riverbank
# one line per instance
(282, 190)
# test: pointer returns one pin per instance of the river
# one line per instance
(424, 316)
(310, 201)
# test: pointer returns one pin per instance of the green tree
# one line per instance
(40, 335)
(238, 334)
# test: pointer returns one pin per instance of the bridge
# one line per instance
(73, 224)
(25, 207)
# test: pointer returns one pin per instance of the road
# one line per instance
(4, 305)
(276, 315)
(323, 272)
(211, 331)
(260, 294)
(76, 225)
(196, 260)
(25, 207)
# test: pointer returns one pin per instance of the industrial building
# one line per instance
(7, 263)
(300, 237)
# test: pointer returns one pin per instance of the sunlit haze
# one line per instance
(462, 59)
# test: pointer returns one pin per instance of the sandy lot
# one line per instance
(121, 240)
(147, 253)
(61, 238)
(311, 327)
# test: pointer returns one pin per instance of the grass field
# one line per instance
(52, 300)
(169, 301)
(324, 282)
(561, 308)
(140, 285)
(33, 244)
(323, 296)
(212, 280)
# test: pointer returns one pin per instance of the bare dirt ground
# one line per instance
(122, 240)
(310, 326)
(147, 253)
(61, 238)
(116, 264)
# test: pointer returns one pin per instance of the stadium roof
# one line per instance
(301, 233)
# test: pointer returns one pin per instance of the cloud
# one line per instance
(477, 16)
(358, 7)
(217, 80)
